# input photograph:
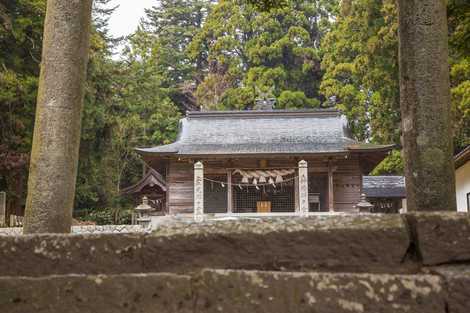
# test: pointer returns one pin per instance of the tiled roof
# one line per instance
(263, 132)
(463, 157)
(384, 186)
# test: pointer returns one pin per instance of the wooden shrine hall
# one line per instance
(263, 162)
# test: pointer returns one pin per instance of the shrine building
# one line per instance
(264, 162)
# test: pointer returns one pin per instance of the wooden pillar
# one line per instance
(56, 139)
(331, 192)
(229, 192)
(3, 208)
(303, 187)
(296, 194)
(425, 105)
(198, 192)
(167, 192)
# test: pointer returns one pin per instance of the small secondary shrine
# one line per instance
(262, 162)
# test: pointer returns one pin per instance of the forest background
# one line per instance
(214, 55)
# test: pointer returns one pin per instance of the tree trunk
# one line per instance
(56, 141)
(425, 105)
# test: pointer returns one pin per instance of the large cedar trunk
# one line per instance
(56, 140)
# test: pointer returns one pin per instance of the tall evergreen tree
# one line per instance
(165, 33)
(21, 27)
(95, 186)
(361, 71)
(360, 59)
(247, 49)
(459, 46)
(217, 55)
(126, 105)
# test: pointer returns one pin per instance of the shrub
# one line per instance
(106, 216)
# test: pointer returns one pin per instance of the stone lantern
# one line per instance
(364, 206)
(143, 210)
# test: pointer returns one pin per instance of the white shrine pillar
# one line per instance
(303, 188)
(198, 192)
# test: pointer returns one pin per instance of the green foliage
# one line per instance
(295, 100)
(218, 55)
(126, 106)
(247, 49)
(266, 5)
(21, 23)
(360, 59)
(459, 42)
(106, 216)
(393, 164)
(162, 40)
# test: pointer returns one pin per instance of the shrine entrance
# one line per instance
(318, 192)
(264, 191)
(251, 191)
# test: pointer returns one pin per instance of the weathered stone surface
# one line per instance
(56, 140)
(37, 255)
(224, 291)
(425, 105)
(243, 291)
(373, 246)
(85, 229)
(160, 293)
(335, 243)
(442, 238)
(458, 286)
(331, 243)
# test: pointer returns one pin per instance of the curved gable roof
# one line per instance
(261, 132)
(151, 178)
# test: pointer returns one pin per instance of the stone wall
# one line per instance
(360, 263)
(85, 229)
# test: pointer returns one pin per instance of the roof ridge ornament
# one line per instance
(265, 100)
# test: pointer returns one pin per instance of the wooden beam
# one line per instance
(321, 169)
(167, 193)
(331, 198)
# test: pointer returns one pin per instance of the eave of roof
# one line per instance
(366, 147)
(384, 186)
(223, 155)
(275, 132)
(151, 177)
(172, 150)
(148, 152)
(462, 157)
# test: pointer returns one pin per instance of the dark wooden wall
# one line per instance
(180, 180)
(347, 178)
(347, 181)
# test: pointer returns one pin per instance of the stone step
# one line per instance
(236, 291)
(339, 243)
(371, 263)
(365, 243)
